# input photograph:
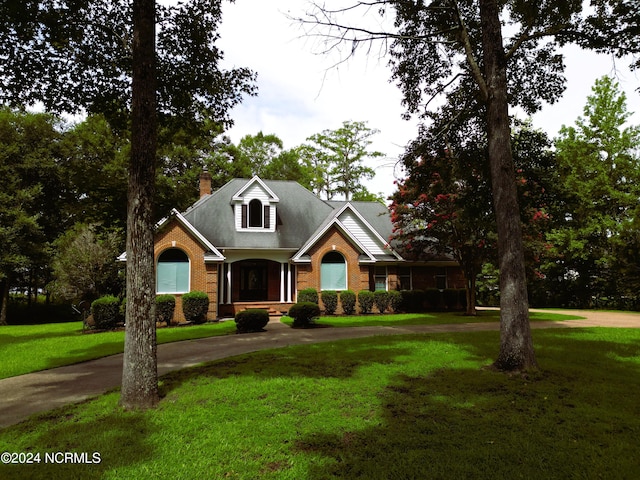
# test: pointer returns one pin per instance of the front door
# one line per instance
(253, 281)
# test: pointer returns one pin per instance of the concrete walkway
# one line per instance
(26, 395)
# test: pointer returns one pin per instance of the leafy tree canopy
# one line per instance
(73, 54)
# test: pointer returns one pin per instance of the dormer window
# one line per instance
(255, 213)
(255, 207)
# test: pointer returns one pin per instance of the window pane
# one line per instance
(255, 213)
(333, 276)
(172, 274)
(166, 282)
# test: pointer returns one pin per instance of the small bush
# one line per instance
(330, 301)
(395, 301)
(165, 306)
(303, 313)
(105, 311)
(195, 306)
(365, 301)
(381, 300)
(348, 302)
(308, 295)
(251, 320)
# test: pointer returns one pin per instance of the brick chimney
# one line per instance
(205, 183)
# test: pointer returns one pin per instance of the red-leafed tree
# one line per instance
(444, 206)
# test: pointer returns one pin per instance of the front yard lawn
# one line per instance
(29, 348)
(377, 320)
(418, 406)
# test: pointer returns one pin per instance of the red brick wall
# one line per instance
(204, 277)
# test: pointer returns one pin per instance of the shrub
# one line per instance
(308, 295)
(251, 320)
(105, 311)
(395, 301)
(434, 299)
(451, 299)
(365, 301)
(381, 300)
(413, 300)
(165, 306)
(348, 302)
(195, 306)
(330, 301)
(303, 313)
(463, 298)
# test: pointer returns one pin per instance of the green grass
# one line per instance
(29, 348)
(426, 319)
(402, 407)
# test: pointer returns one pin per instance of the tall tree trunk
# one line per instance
(516, 345)
(4, 300)
(140, 373)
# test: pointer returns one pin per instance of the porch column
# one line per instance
(228, 279)
(282, 278)
(289, 268)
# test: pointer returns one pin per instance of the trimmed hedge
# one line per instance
(303, 313)
(195, 306)
(348, 302)
(381, 300)
(330, 301)
(308, 295)
(251, 320)
(435, 299)
(106, 312)
(165, 307)
(413, 301)
(365, 301)
(395, 301)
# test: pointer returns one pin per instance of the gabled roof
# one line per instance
(212, 254)
(353, 224)
(301, 220)
(298, 214)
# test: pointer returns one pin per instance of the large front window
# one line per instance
(172, 272)
(333, 272)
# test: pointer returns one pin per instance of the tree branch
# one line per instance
(476, 72)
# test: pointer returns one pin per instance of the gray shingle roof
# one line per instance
(299, 214)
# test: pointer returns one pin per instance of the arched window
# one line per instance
(255, 213)
(333, 272)
(172, 272)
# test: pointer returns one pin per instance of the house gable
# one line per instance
(359, 232)
(211, 253)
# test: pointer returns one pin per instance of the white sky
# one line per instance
(300, 95)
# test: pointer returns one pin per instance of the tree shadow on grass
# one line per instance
(310, 361)
(571, 420)
(117, 437)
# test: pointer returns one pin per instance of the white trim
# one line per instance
(238, 195)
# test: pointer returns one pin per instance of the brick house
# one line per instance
(256, 243)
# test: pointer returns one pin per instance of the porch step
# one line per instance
(272, 312)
